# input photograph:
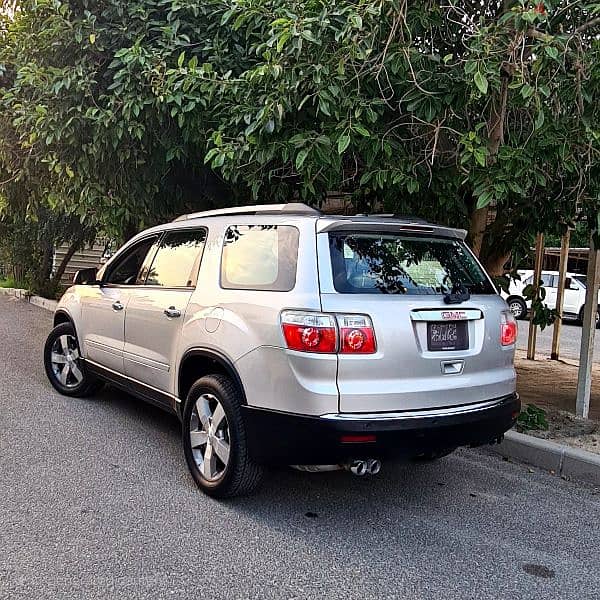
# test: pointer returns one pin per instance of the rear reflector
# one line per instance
(357, 439)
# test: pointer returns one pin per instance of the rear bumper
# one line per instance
(285, 438)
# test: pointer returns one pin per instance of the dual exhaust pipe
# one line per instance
(360, 468)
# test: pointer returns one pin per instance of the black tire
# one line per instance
(434, 455)
(517, 307)
(241, 475)
(88, 385)
(580, 318)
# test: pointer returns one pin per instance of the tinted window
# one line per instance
(373, 263)
(260, 257)
(126, 268)
(177, 259)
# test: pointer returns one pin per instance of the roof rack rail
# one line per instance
(408, 218)
(291, 208)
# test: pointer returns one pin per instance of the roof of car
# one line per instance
(326, 222)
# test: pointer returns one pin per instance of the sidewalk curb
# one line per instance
(564, 461)
(27, 296)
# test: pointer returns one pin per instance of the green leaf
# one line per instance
(307, 34)
(527, 91)
(481, 82)
(362, 130)
(92, 38)
(539, 120)
(480, 155)
(343, 143)
(552, 52)
(181, 59)
(300, 158)
(484, 199)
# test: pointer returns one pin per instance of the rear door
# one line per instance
(429, 354)
(156, 310)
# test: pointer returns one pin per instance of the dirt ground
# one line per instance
(552, 385)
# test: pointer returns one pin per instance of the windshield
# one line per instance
(389, 263)
(582, 279)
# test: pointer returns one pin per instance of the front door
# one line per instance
(156, 310)
(103, 307)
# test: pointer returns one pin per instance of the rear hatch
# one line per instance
(429, 354)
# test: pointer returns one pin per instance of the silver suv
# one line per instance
(280, 335)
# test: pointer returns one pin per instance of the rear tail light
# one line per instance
(309, 332)
(324, 333)
(356, 334)
(508, 329)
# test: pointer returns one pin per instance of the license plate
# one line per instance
(453, 335)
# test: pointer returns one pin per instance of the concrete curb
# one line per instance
(564, 461)
(29, 297)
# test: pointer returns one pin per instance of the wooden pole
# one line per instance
(560, 293)
(537, 275)
(588, 333)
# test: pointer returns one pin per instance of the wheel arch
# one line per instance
(62, 316)
(198, 362)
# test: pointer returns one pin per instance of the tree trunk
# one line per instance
(64, 263)
(495, 264)
(495, 127)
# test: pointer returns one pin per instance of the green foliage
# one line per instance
(533, 417)
(124, 114)
(9, 282)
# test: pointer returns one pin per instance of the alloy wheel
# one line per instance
(65, 360)
(516, 309)
(209, 437)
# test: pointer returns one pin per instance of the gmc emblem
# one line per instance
(454, 315)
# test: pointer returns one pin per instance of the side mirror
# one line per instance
(86, 277)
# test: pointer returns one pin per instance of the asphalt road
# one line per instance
(570, 340)
(96, 502)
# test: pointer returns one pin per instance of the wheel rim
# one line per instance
(516, 309)
(209, 437)
(66, 361)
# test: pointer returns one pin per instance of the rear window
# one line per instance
(389, 263)
(260, 257)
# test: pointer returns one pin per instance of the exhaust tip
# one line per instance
(359, 468)
(373, 466)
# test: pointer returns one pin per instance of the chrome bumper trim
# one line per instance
(418, 414)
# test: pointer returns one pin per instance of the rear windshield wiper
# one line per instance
(460, 293)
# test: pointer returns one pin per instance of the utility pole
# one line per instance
(560, 297)
(588, 332)
(537, 275)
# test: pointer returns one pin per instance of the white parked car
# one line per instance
(574, 300)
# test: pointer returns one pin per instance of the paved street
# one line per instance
(96, 502)
(570, 340)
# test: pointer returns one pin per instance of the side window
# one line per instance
(260, 257)
(126, 269)
(548, 280)
(177, 259)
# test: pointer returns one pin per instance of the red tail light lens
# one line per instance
(309, 332)
(356, 334)
(508, 329)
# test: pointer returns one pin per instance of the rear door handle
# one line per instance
(117, 305)
(172, 312)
